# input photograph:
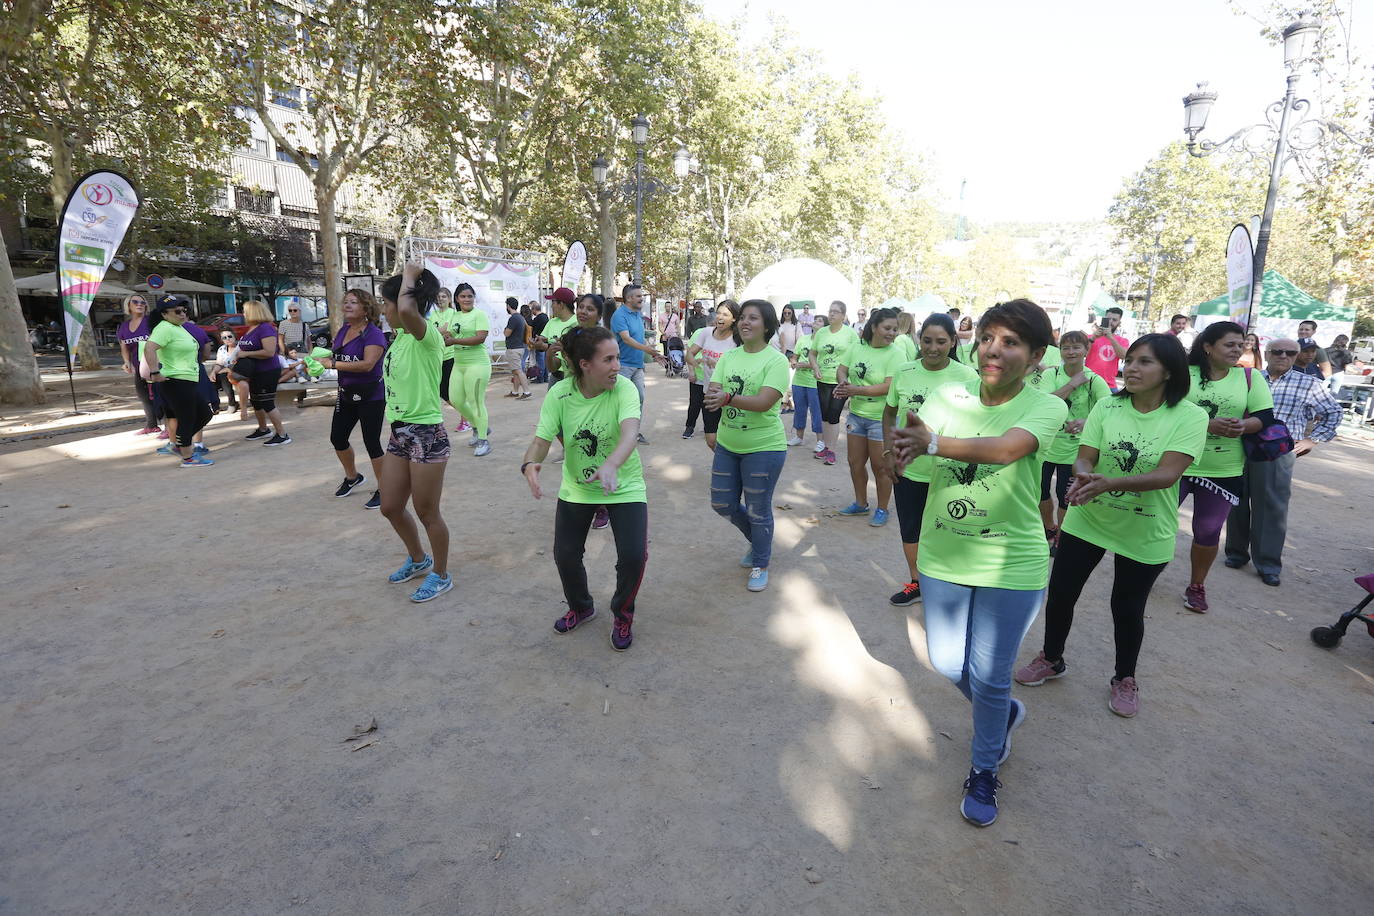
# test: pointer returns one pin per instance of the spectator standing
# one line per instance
(1340, 356)
(1107, 347)
(562, 300)
(1257, 527)
(1180, 327)
(1308, 361)
(1250, 355)
(627, 324)
(807, 321)
(538, 321)
(1307, 330)
(131, 333)
(516, 328)
(260, 364)
(696, 320)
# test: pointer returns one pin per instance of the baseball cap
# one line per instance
(1306, 343)
(171, 301)
(563, 295)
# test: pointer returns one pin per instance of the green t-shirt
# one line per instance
(553, 330)
(179, 353)
(868, 365)
(447, 319)
(590, 428)
(744, 374)
(1140, 526)
(410, 372)
(1080, 401)
(967, 356)
(909, 349)
(467, 325)
(982, 524)
(912, 384)
(1224, 456)
(830, 348)
(1052, 357)
(803, 377)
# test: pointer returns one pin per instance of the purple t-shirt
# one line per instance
(199, 334)
(253, 341)
(134, 337)
(366, 385)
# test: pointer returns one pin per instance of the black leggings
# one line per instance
(1059, 475)
(226, 384)
(696, 406)
(145, 397)
(831, 406)
(186, 404)
(629, 525)
(262, 389)
(349, 413)
(445, 371)
(1074, 563)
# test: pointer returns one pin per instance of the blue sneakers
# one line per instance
(196, 461)
(200, 448)
(758, 579)
(410, 569)
(1015, 716)
(979, 806)
(879, 518)
(433, 586)
(854, 509)
(168, 449)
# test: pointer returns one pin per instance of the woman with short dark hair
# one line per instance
(171, 360)
(1134, 448)
(863, 377)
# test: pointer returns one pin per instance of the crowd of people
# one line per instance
(1017, 457)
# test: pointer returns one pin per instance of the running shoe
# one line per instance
(473, 440)
(259, 434)
(168, 449)
(163, 434)
(879, 518)
(410, 569)
(688, 432)
(433, 586)
(855, 509)
(375, 502)
(147, 430)
(820, 447)
(1039, 670)
(483, 448)
(1015, 716)
(462, 427)
(621, 637)
(758, 579)
(527, 395)
(1125, 698)
(1195, 598)
(573, 619)
(828, 456)
(794, 441)
(979, 806)
(348, 486)
(200, 448)
(909, 595)
(196, 461)
(602, 518)
(278, 440)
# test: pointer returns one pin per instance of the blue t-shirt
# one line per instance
(627, 319)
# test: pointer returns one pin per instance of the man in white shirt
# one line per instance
(1179, 327)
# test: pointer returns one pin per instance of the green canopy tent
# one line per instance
(1281, 308)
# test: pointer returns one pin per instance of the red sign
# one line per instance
(155, 281)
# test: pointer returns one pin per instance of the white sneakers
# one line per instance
(795, 440)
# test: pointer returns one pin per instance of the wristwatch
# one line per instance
(934, 445)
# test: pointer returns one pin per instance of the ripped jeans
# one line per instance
(752, 476)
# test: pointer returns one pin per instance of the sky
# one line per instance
(1044, 108)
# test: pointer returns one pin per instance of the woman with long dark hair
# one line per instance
(746, 386)
(418, 451)
(984, 560)
(471, 366)
(829, 346)
(1252, 355)
(1236, 404)
(595, 413)
(357, 359)
(259, 365)
(1133, 449)
(864, 376)
(171, 360)
(912, 385)
(444, 317)
(786, 343)
(132, 332)
(705, 350)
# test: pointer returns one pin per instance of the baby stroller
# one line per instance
(1328, 637)
(677, 358)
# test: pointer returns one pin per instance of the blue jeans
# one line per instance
(806, 401)
(543, 375)
(752, 476)
(972, 636)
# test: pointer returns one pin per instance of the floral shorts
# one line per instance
(422, 443)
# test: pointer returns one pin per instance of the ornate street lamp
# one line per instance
(640, 186)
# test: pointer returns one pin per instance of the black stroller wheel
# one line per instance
(1326, 637)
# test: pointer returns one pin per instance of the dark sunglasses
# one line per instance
(1289, 353)
(179, 311)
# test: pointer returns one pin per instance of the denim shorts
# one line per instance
(421, 443)
(864, 427)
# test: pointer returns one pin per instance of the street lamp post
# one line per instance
(1298, 41)
(639, 188)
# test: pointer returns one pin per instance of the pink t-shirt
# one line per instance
(1102, 358)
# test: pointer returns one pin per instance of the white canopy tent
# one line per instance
(46, 285)
(176, 284)
(802, 280)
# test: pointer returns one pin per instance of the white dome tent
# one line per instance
(802, 280)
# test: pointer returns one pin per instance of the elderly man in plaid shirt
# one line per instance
(1257, 526)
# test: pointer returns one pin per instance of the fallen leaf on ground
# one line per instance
(368, 743)
(361, 730)
(784, 506)
(948, 735)
(811, 875)
(217, 634)
(64, 506)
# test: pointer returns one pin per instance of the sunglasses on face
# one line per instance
(1288, 353)
(178, 311)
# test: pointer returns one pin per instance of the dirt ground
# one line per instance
(185, 653)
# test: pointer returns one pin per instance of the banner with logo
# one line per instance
(573, 265)
(1240, 274)
(97, 213)
(492, 282)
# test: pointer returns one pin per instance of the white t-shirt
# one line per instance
(711, 351)
(786, 338)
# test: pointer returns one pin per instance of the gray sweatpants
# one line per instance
(1256, 528)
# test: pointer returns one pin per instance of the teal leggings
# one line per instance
(467, 391)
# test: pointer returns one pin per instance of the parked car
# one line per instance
(214, 324)
(319, 332)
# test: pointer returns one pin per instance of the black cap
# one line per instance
(171, 301)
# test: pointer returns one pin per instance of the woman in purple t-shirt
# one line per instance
(132, 332)
(259, 364)
(358, 350)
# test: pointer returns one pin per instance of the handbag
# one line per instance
(1273, 440)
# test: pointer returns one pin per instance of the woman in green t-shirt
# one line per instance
(745, 387)
(171, 360)
(418, 451)
(806, 402)
(1124, 498)
(471, 366)
(595, 413)
(828, 348)
(984, 560)
(864, 377)
(1236, 404)
(444, 317)
(912, 385)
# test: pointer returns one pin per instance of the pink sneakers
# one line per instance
(1125, 698)
(1040, 670)
(1195, 598)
